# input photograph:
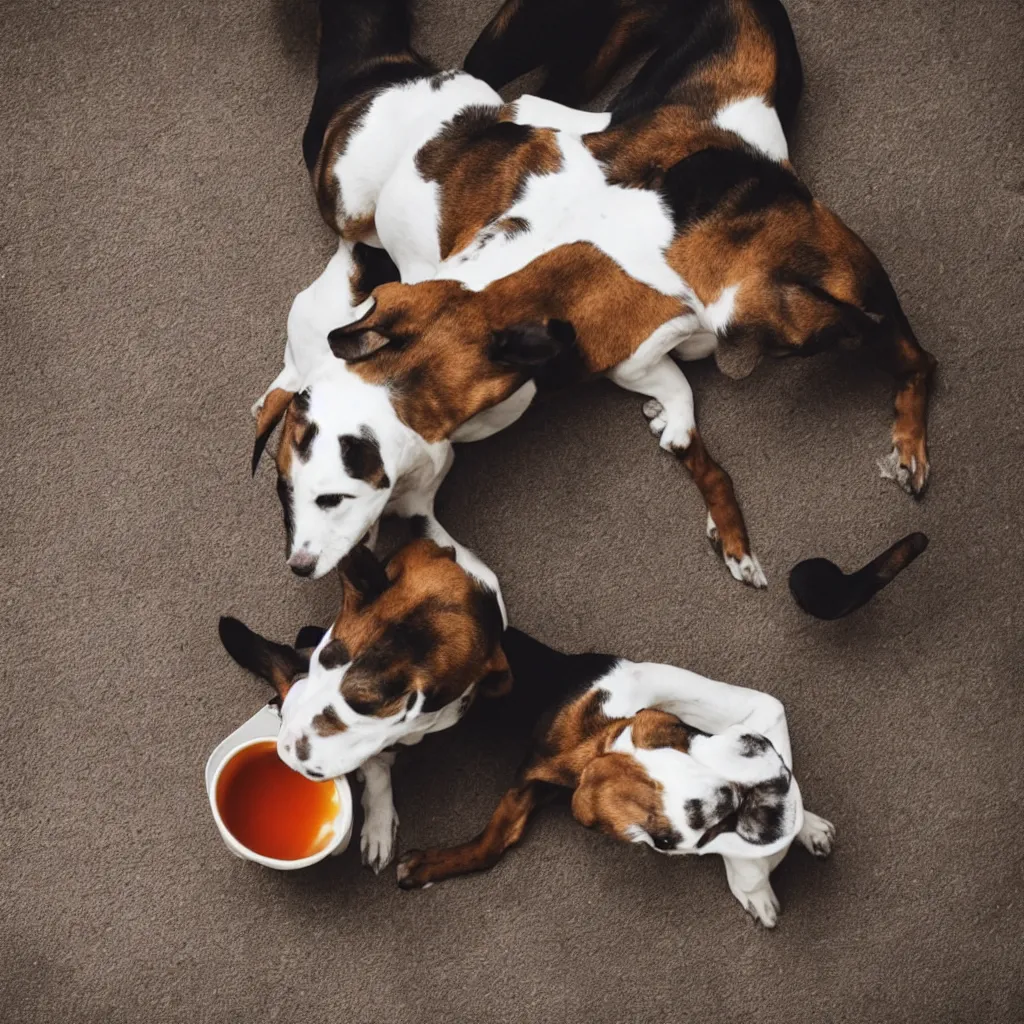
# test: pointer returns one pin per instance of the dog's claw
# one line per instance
(909, 471)
(406, 867)
(747, 570)
(817, 835)
(377, 841)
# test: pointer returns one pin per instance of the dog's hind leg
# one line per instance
(671, 416)
(380, 819)
(420, 868)
(750, 884)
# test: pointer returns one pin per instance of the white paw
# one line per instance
(377, 840)
(762, 905)
(747, 570)
(890, 468)
(817, 835)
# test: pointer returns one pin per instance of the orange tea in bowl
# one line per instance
(272, 810)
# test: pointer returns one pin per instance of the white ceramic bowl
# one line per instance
(263, 726)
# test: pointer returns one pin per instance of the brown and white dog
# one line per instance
(652, 754)
(414, 642)
(345, 456)
(680, 228)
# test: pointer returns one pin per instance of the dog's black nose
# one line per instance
(302, 563)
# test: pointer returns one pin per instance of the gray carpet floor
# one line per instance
(156, 221)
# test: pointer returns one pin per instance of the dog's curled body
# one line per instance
(655, 755)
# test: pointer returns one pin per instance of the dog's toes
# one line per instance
(909, 469)
(377, 841)
(763, 906)
(405, 870)
(817, 834)
(653, 408)
(747, 570)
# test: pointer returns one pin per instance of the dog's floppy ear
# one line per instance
(532, 345)
(309, 636)
(610, 795)
(546, 352)
(364, 577)
(279, 664)
(273, 408)
(653, 729)
(738, 351)
(359, 339)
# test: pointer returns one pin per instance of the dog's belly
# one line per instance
(698, 345)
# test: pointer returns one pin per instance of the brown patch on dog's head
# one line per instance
(616, 796)
(652, 729)
(418, 626)
(273, 409)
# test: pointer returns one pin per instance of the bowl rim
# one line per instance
(341, 822)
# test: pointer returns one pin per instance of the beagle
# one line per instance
(655, 755)
(345, 455)
(680, 229)
(412, 645)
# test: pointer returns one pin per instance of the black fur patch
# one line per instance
(361, 458)
(754, 745)
(695, 816)
(304, 445)
(546, 353)
(274, 662)
(441, 78)
(364, 572)
(309, 636)
(385, 689)
(739, 182)
(789, 73)
(376, 267)
(302, 748)
(334, 655)
(284, 494)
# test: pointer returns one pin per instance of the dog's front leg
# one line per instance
(380, 820)
(419, 868)
(671, 417)
(750, 884)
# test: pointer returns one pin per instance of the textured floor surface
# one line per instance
(156, 221)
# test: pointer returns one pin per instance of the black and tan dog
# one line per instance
(652, 754)
(681, 228)
(415, 641)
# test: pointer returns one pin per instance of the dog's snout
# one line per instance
(302, 563)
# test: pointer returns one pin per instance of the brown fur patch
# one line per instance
(615, 794)
(481, 162)
(432, 630)
(440, 373)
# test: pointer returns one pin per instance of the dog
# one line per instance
(415, 641)
(653, 755)
(345, 456)
(681, 228)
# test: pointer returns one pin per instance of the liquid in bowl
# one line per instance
(272, 810)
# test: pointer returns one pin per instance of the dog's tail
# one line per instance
(363, 44)
(823, 590)
(279, 664)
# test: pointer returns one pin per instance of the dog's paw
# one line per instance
(747, 570)
(406, 871)
(817, 835)
(377, 840)
(674, 433)
(762, 905)
(907, 464)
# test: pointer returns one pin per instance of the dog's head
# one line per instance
(676, 790)
(334, 471)
(413, 642)
(434, 348)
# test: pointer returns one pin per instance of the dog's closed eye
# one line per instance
(331, 500)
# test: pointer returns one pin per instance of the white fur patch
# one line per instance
(757, 124)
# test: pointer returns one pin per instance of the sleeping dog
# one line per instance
(681, 228)
(652, 754)
(414, 642)
(345, 457)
